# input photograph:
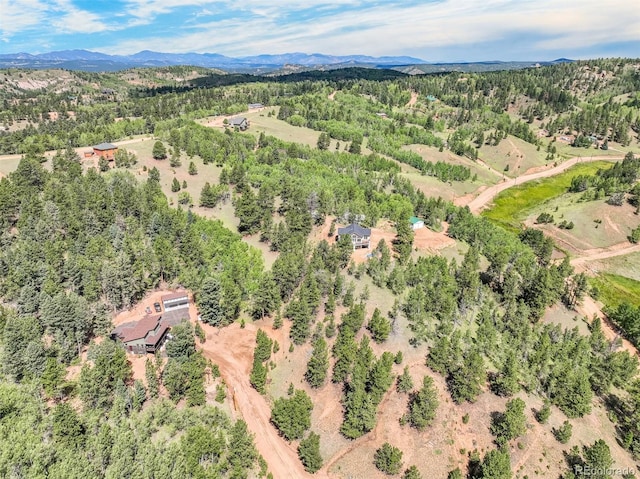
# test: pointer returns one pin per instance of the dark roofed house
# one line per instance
(360, 236)
(241, 123)
(148, 334)
(105, 150)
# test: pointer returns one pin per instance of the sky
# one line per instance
(433, 30)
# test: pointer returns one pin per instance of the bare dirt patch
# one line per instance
(231, 349)
(413, 100)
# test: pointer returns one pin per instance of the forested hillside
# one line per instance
(442, 333)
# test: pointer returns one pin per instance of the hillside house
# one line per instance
(149, 333)
(416, 223)
(105, 150)
(255, 106)
(360, 236)
(240, 123)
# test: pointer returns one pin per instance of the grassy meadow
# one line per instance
(614, 289)
(511, 206)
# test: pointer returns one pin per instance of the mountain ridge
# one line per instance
(209, 60)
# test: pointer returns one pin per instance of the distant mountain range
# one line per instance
(287, 62)
(95, 61)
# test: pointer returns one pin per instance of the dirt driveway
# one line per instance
(231, 349)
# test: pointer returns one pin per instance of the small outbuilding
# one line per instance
(175, 301)
(105, 150)
(416, 223)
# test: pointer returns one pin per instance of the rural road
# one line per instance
(619, 249)
(80, 149)
(231, 349)
(486, 196)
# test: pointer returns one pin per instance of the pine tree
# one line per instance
(404, 383)
(258, 376)
(292, 416)
(175, 185)
(506, 382)
(193, 169)
(403, 242)
(324, 140)
(209, 302)
(267, 297)
(388, 459)
(423, 405)
(318, 364)
(496, 465)
(159, 151)
(151, 375)
(511, 424)
(309, 453)
(139, 395)
(412, 473)
(379, 327)
(208, 196)
(465, 383)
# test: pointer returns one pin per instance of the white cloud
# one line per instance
(75, 20)
(394, 29)
(19, 15)
(23, 15)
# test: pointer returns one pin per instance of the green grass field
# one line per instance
(511, 206)
(614, 289)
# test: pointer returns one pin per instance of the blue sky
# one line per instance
(434, 30)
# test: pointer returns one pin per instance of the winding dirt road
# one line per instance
(477, 204)
(619, 249)
(231, 349)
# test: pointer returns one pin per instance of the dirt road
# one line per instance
(80, 150)
(589, 308)
(619, 249)
(231, 349)
(486, 196)
(413, 100)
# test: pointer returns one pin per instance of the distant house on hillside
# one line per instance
(416, 223)
(360, 236)
(241, 123)
(255, 106)
(105, 150)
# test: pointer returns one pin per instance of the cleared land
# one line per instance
(596, 224)
(513, 156)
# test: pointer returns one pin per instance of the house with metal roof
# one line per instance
(241, 123)
(360, 236)
(175, 301)
(105, 150)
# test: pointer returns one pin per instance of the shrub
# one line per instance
(563, 433)
(388, 459)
